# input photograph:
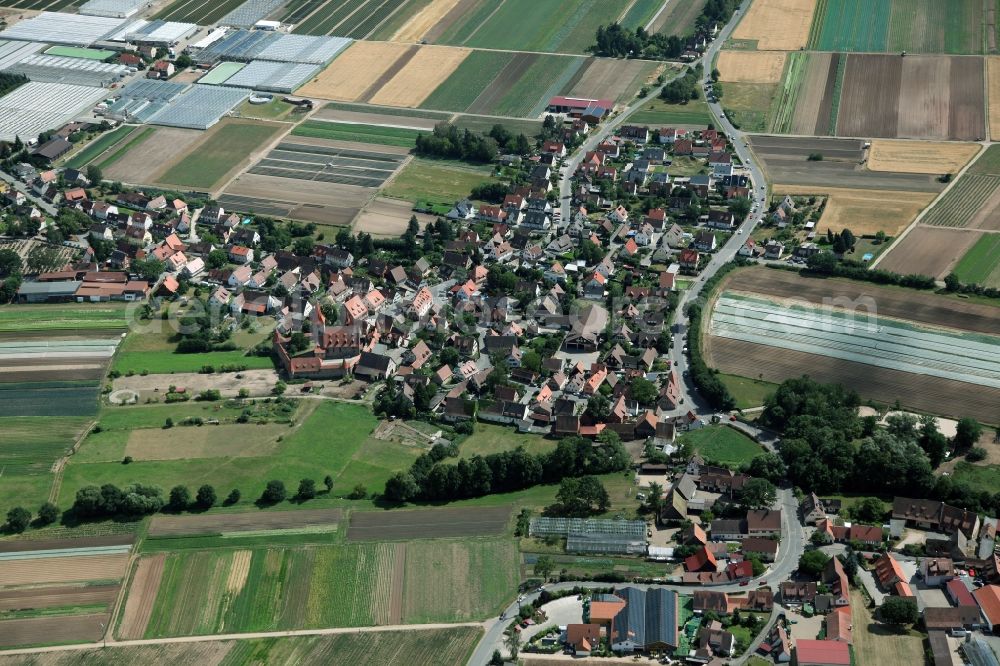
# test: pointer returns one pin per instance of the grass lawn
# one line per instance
(496, 439)
(220, 154)
(980, 264)
(723, 444)
(324, 443)
(748, 392)
(273, 110)
(168, 362)
(377, 134)
(435, 181)
(620, 486)
(979, 477)
(61, 316)
(81, 158)
(659, 113)
(874, 643)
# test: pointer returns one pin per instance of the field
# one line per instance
(99, 146)
(988, 162)
(427, 524)
(333, 163)
(786, 162)
(777, 25)
(222, 152)
(197, 11)
(723, 444)
(970, 203)
(864, 211)
(225, 523)
(52, 630)
(420, 23)
(981, 264)
(44, 317)
(750, 67)
(133, 141)
(489, 439)
(52, 570)
(376, 134)
(914, 26)
(358, 19)
(876, 644)
(920, 156)
(307, 449)
(168, 362)
(678, 18)
(424, 72)
(217, 442)
(262, 589)
(617, 80)
(469, 82)
(29, 446)
(993, 94)
(746, 391)
(388, 218)
(884, 376)
(331, 205)
(134, 165)
(917, 97)
(558, 26)
(362, 114)
(353, 71)
(435, 182)
(428, 647)
(932, 251)
(657, 113)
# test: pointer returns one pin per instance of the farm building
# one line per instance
(77, 71)
(579, 107)
(174, 104)
(59, 28)
(648, 622)
(12, 53)
(246, 45)
(281, 77)
(36, 107)
(594, 536)
(113, 8)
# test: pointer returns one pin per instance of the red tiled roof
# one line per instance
(832, 653)
(988, 598)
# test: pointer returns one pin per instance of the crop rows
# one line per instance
(788, 93)
(981, 262)
(469, 81)
(361, 30)
(967, 196)
(851, 25)
(988, 162)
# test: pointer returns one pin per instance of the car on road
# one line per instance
(744, 583)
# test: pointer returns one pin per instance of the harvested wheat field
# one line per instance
(141, 597)
(62, 569)
(352, 72)
(864, 211)
(993, 95)
(751, 66)
(777, 25)
(425, 71)
(388, 218)
(420, 23)
(933, 157)
(932, 251)
(169, 144)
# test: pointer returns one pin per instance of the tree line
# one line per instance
(617, 41)
(432, 479)
(448, 141)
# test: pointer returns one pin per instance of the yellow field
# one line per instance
(353, 71)
(864, 211)
(428, 17)
(993, 95)
(751, 66)
(876, 644)
(777, 25)
(426, 71)
(934, 157)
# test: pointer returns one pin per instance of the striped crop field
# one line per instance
(851, 25)
(981, 264)
(958, 206)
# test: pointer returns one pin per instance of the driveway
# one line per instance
(568, 610)
(869, 583)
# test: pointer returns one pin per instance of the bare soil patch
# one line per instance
(22, 545)
(777, 25)
(923, 105)
(167, 144)
(932, 251)
(751, 66)
(611, 79)
(812, 110)
(966, 116)
(908, 304)
(387, 218)
(423, 21)
(869, 103)
(427, 523)
(48, 630)
(63, 569)
(424, 72)
(330, 204)
(257, 382)
(864, 211)
(51, 597)
(208, 524)
(931, 157)
(141, 596)
(210, 441)
(350, 74)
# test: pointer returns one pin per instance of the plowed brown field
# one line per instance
(62, 569)
(51, 597)
(141, 596)
(932, 251)
(51, 630)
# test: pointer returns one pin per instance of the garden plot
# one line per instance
(296, 161)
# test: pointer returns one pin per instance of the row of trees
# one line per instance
(448, 141)
(827, 263)
(616, 41)
(430, 478)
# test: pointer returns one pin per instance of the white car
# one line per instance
(739, 231)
